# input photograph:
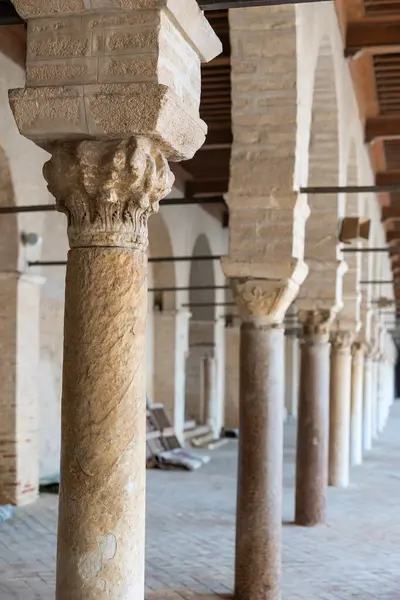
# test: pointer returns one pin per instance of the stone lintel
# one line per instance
(117, 111)
(188, 17)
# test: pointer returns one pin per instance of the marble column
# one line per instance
(367, 404)
(339, 413)
(259, 502)
(356, 415)
(232, 372)
(292, 373)
(101, 550)
(375, 392)
(312, 430)
(259, 497)
(170, 348)
(209, 394)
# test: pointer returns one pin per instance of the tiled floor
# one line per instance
(190, 534)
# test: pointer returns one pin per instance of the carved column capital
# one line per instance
(108, 189)
(358, 350)
(316, 325)
(342, 339)
(262, 301)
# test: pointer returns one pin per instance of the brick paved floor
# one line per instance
(190, 535)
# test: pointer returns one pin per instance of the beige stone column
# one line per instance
(292, 374)
(112, 96)
(356, 415)
(367, 403)
(312, 431)
(102, 492)
(339, 414)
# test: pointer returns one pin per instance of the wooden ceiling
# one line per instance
(371, 33)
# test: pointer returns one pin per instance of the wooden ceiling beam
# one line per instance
(388, 178)
(227, 4)
(207, 187)
(13, 43)
(373, 34)
(390, 213)
(383, 127)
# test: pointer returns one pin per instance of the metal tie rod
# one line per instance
(351, 189)
(393, 250)
(10, 210)
(159, 259)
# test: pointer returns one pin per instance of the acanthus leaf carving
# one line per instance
(263, 301)
(316, 324)
(108, 189)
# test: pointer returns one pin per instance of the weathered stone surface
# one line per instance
(356, 415)
(259, 505)
(340, 402)
(102, 495)
(267, 217)
(114, 111)
(190, 20)
(313, 429)
(108, 190)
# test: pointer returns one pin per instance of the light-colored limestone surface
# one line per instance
(114, 71)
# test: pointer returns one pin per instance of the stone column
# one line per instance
(171, 344)
(340, 400)
(292, 373)
(232, 372)
(259, 499)
(100, 550)
(209, 393)
(111, 119)
(374, 397)
(19, 432)
(367, 404)
(259, 502)
(356, 416)
(312, 430)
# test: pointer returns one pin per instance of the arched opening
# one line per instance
(201, 328)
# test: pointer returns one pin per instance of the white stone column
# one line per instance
(232, 372)
(19, 432)
(292, 374)
(219, 355)
(209, 393)
(356, 415)
(374, 396)
(367, 403)
(171, 344)
(111, 119)
(340, 401)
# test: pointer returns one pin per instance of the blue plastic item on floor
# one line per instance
(6, 512)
